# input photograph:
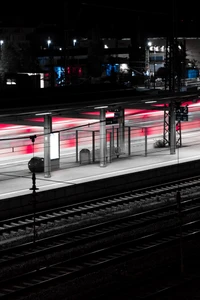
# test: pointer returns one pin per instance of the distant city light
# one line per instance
(105, 46)
(124, 67)
(1, 42)
(74, 42)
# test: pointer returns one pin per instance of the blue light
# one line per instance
(60, 74)
(112, 68)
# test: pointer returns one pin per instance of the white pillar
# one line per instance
(102, 137)
(47, 159)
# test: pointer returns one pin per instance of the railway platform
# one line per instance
(16, 183)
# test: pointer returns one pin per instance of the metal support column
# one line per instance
(167, 63)
(172, 131)
(76, 145)
(93, 146)
(110, 148)
(129, 140)
(178, 134)
(166, 128)
(121, 131)
(117, 137)
(47, 158)
(102, 137)
(112, 144)
(145, 131)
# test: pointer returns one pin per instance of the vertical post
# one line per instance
(145, 137)
(129, 140)
(76, 145)
(51, 62)
(112, 140)
(147, 61)
(117, 136)
(102, 137)
(110, 148)
(93, 146)
(121, 130)
(34, 188)
(180, 134)
(47, 153)
(166, 62)
(172, 130)
(1, 44)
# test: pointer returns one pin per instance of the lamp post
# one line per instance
(49, 42)
(149, 44)
(51, 60)
(1, 43)
(154, 71)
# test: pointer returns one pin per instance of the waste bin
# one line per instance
(85, 156)
(36, 164)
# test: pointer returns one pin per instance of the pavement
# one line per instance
(19, 182)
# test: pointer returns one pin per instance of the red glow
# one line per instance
(136, 116)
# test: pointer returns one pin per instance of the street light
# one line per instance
(147, 62)
(1, 43)
(49, 42)
(51, 61)
(149, 44)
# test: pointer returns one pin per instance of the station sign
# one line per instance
(182, 113)
(111, 121)
(117, 115)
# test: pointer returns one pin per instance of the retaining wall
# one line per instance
(95, 189)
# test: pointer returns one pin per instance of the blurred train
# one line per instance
(15, 139)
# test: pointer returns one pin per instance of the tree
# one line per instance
(16, 58)
(10, 58)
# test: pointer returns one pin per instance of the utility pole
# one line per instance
(34, 201)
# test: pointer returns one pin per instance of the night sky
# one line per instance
(122, 18)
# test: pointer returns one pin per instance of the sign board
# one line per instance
(182, 113)
(110, 121)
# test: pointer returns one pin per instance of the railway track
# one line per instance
(88, 234)
(101, 208)
(164, 282)
(95, 233)
(94, 261)
(102, 230)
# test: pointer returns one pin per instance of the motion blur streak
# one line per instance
(15, 139)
